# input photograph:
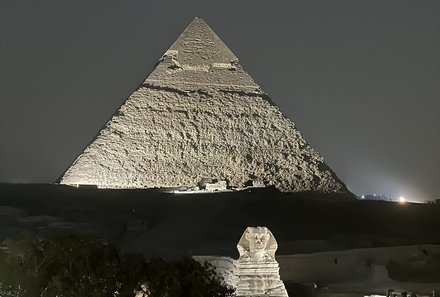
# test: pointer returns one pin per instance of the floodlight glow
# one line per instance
(402, 200)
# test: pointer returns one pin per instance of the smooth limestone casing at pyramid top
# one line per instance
(200, 115)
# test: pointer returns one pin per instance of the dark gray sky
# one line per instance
(361, 79)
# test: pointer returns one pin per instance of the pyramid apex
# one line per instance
(201, 22)
(200, 45)
(197, 18)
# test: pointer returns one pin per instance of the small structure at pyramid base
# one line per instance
(257, 271)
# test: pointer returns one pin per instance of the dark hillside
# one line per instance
(165, 224)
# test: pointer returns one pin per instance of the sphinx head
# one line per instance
(257, 243)
(258, 238)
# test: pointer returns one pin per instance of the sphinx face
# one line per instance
(258, 239)
(257, 243)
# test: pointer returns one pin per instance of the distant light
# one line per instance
(363, 196)
(402, 200)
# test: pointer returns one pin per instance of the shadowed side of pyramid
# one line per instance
(198, 116)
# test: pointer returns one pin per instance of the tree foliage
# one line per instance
(69, 264)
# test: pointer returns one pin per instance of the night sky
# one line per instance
(360, 79)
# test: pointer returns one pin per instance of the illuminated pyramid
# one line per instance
(198, 116)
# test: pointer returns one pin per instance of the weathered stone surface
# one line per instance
(199, 115)
(257, 270)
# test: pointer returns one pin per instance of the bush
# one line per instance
(72, 265)
(184, 278)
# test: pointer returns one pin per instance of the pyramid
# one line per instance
(198, 116)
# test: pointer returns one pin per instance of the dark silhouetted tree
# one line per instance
(72, 265)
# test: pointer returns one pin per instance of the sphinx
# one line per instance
(256, 270)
